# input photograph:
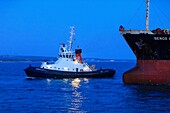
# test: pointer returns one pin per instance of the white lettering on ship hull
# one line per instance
(161, 38)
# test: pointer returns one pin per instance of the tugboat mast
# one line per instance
(147, 14)
(71, 37)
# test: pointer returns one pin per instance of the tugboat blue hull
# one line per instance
(46, 73)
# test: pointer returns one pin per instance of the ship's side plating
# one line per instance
(46, 73)
(153, 59)
(149, 46)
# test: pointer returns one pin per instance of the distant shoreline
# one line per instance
(8, 58)
(5, 61)
(18, 61)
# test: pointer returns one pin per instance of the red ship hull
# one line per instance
(149, 72)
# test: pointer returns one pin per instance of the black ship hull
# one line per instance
(46, 73)
(149, 46)
(153, 59)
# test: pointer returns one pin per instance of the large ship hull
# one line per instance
(153, 59)
(148, 72)
(46, 73)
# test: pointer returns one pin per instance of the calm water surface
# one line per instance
(18, 94)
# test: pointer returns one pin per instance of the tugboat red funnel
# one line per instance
(78, 55)
(152, 50)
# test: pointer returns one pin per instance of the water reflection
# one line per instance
(86, 80)
(72, 93)
(48, 81)
(150, 89)
(155, 97)
(77, 97)
(75, 83)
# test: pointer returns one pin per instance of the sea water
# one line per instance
(107, 95)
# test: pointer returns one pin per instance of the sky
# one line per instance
(37, 27)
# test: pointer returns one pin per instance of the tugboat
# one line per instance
(68, 66)
(152, 50)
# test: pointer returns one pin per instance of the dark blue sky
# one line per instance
(36, 27)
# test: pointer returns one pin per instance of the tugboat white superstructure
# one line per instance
(68, 66)
(66, 60)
